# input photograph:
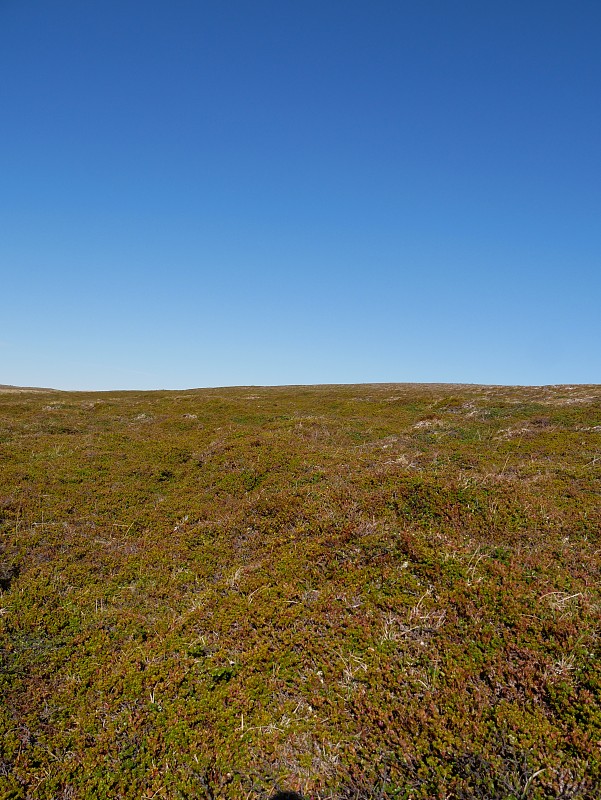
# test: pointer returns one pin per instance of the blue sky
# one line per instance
(275, 192)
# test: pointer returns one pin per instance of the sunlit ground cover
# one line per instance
(356, 592)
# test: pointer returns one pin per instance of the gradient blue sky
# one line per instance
(232, 192)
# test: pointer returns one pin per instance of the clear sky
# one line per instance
(235, 192)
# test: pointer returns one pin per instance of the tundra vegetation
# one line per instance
(353, 592)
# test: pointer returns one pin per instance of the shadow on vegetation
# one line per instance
(287, 796)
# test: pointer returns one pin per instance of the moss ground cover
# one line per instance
(382, 591)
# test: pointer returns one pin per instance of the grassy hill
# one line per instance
(357, 592)
(4, 387)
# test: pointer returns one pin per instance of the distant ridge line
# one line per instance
(387, 386)
(5, 387)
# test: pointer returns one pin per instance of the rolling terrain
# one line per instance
(355, 592)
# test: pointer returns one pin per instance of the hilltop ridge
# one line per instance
(5, 387)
